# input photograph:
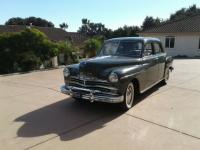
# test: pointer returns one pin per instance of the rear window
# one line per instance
(157, 48)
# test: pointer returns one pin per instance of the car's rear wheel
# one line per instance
(128, 97)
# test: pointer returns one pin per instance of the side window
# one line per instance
(157, 48)
(169, 42)
(148, 49)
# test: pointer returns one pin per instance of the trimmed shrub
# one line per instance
(91, 47)
(70, 52)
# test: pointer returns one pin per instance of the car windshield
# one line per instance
(129, 48)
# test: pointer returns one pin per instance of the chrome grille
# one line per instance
(101, 85)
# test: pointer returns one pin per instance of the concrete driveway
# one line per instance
(35, 115)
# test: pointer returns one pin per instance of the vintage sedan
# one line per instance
(124, 68)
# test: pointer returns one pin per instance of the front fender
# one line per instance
(126, 75)
(130, 72)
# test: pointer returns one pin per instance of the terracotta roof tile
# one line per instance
(189, 24)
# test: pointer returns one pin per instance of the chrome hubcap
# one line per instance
(129, 95)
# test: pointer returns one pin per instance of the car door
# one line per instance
(161, 56)
(150, 65)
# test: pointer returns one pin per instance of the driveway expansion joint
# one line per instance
(163, 126)
(31, 85)
(192, 90)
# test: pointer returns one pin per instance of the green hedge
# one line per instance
(28, 49)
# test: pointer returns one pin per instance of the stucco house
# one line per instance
(179, 38)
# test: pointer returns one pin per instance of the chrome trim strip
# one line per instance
(92, 96)
(86, 79)
(127, 76)
(105, 99)
(89, 90)
(93, 86)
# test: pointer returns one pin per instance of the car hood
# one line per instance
(101, 66)
(109, 61)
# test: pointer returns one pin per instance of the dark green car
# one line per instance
(124, 67)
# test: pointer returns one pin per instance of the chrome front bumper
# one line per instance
(91, 95)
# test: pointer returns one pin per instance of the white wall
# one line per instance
(184, 44)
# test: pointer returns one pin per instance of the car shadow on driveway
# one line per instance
(65, 116)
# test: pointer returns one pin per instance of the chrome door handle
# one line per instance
(156, 59)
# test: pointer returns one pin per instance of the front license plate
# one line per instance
(77, 95)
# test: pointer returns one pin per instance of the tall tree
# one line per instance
(185, 12)
(92, 29)
(182, 13)
(30, 20)
(150, 22)
(64, 26)
(15, 21)
(126, 31)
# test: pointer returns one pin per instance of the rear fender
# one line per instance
(169, 63)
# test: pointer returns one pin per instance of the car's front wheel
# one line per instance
(128, 97)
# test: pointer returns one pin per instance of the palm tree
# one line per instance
(64, 26)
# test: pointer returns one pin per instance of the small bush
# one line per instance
(70, 52)
(91, 47)
(28, 61)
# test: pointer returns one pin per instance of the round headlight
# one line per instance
(113, 77)
(66, 72)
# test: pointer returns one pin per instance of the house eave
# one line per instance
(169, 33)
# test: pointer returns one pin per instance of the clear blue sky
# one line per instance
(112, 13)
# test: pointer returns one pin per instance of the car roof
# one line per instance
(143, 39)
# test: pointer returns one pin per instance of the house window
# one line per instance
(169, 42)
